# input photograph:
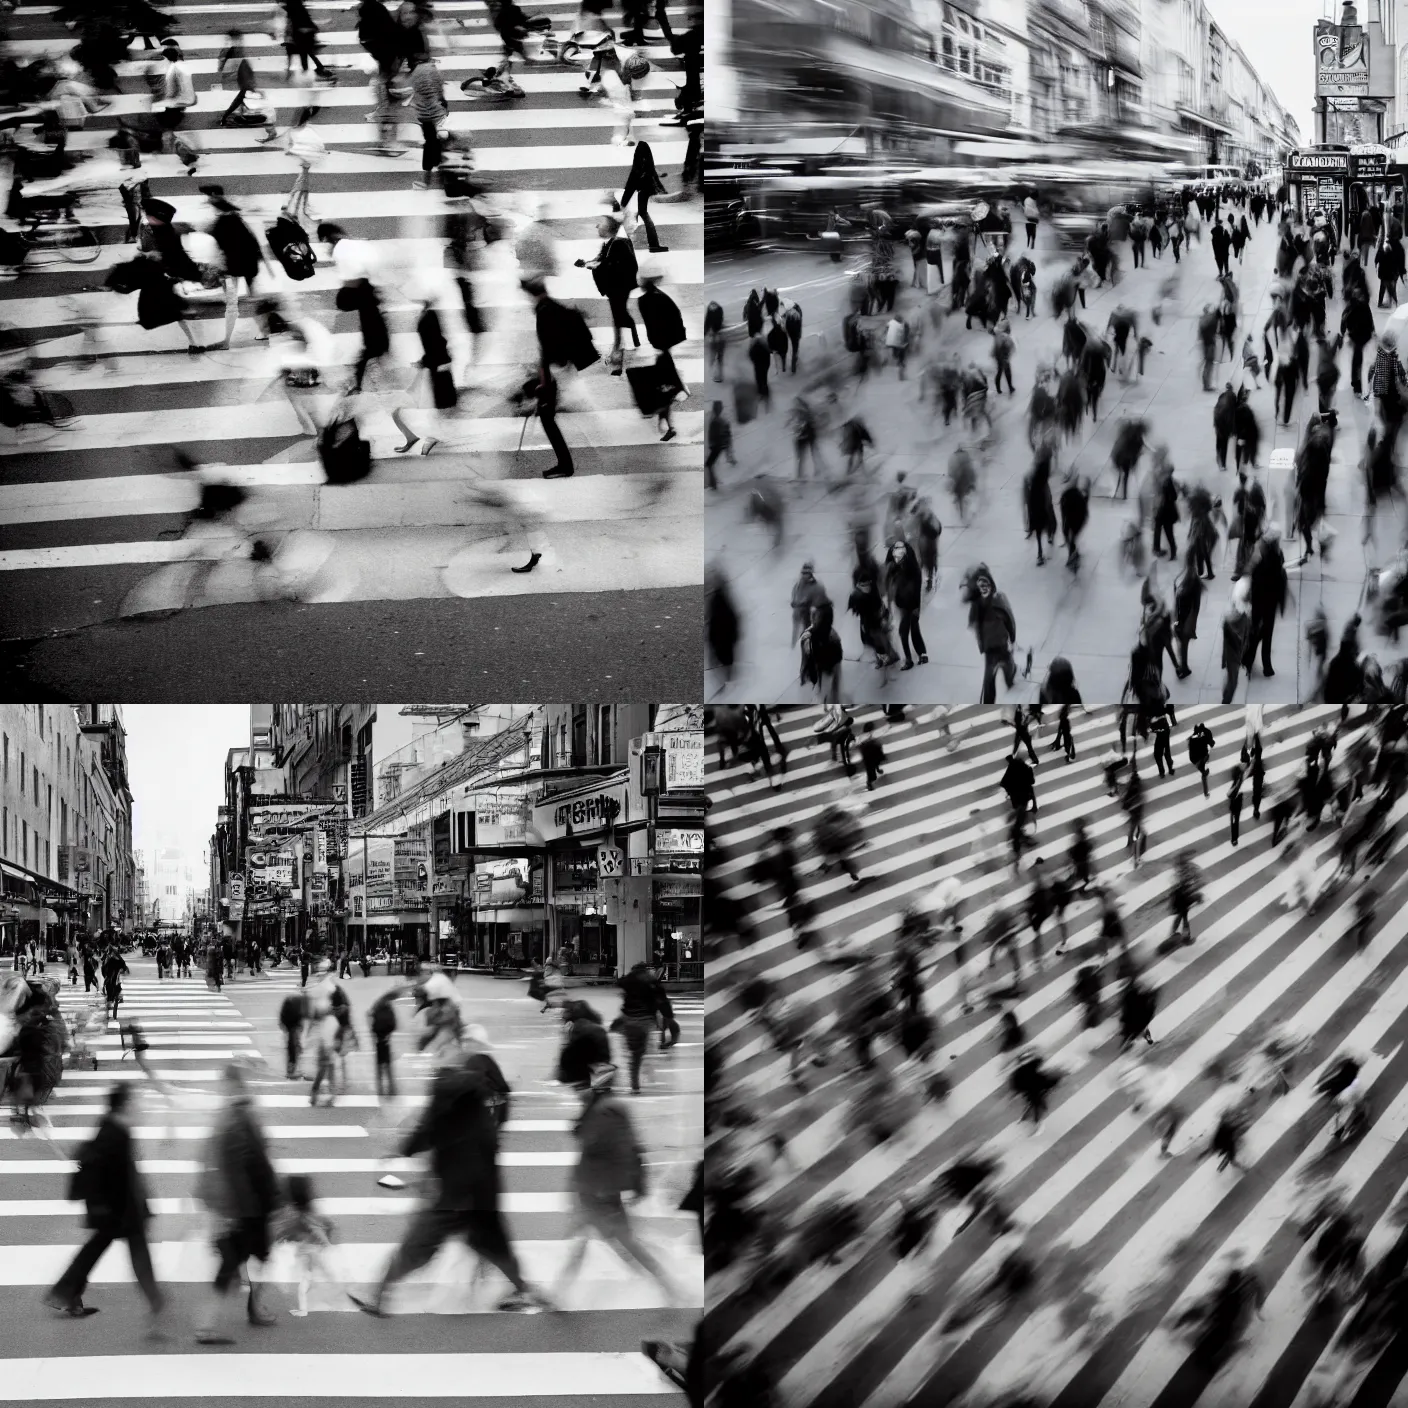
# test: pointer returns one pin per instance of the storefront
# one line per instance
(1341, 184)
(35, 909)
(579, 827)
(504, 913)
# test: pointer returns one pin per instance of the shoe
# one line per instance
(409, 445)
(908, 665)
(529, 565)
(426, 446)
(261, 1317)
(296, 1311)
(923, 659)
(74, 1309)
(522, 1303)
(389, 1180)
(367, 1307)
(660, 249)
(558, 472)
(668, 435)
(212, 1337)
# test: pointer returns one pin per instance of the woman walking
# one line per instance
(434, 366)
(644, 182)
(614, 273)
(904, 585)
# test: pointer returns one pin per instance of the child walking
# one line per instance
(300, 1223)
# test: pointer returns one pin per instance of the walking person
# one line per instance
(1234, 801)
(614, 272)
(428, 103)
(1200, 743)
(563, 340)
(664, 330)
(382, 1022)
(460, 1129)
(293, 1013)
(239, 1187)
(643, 183)
(904, 587)
(108, 1182)
(610, 1165)
(641, 996)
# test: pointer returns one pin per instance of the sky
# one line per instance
(1277, 36)
(176, 769)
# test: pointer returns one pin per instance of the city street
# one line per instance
(1120, 1240)
(1091, 616)
(98, 547)
(588, 1352)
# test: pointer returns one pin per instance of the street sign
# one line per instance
(610, 862)
(236, 895)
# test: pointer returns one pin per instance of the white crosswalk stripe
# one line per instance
(345, 1148)
(1124, 1240)
(102, 500)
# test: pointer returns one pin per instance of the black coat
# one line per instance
(460, 1131)
(615, 273)
(587, 1045)
(108, 1181)
(664, 326)
(904, 580)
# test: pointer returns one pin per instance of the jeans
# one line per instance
(637, 1033)
(909, 632)
(994, 660)
(430, 152)
(74, 1281)
(385, 1076)
(547, 413)
(294, 1050)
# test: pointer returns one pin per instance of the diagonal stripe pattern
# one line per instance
(1124, 1239)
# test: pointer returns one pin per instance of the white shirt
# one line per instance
(1030, 210)
(355, 259)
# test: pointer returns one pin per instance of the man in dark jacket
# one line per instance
(382, 1020)
(557, 347)
(641, 995)
(461, 1132)
(990, 616)
(241, 1190)
(109, 1184)
(610, 1165)
(292, 1015)
(585, 1045)
(1268, 598)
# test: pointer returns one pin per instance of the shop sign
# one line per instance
(381, 902)
(1368, 165)
(678, 889)
(684, 760)
(1341, 60)
(318, 884)
(236, 894)
(590, 812)
(1328, 162)
(681, 842)
(610, 862)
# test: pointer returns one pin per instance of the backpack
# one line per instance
(291, 248)
(345, 455)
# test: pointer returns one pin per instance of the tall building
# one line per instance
(66, 862)
(925, 78)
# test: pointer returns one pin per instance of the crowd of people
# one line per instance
(252, 1210)
(1186, 524)
(214, 253)
(991, 928)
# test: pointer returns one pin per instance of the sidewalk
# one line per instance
(1090, 618)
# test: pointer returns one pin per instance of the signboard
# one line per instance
(1341, 60)
(684, 760)
(585, 811)
(318, 884)
(358, 780)
(610, 862)
(681, 842)
(339, 793)
(236, 895)
(1326, 163)
(1329, 193)
(320, 850)
(1368, 166)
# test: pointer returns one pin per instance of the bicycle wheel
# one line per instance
(77, 244)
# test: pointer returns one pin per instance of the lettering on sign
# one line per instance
(587, 811)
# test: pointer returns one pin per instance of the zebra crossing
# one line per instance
(93, 516)
(1125, 1239)
(593, 1344)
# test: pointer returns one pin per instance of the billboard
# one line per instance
(1341, 60)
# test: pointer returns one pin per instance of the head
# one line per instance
(329, 234)
(808, 573)
(607, 226)
(232, 1084)
(535, 288)
(119, 1099)
(300, 1191)
(171, 51)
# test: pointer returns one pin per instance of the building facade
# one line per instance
(922, 76)
(66, 863)
(491, 834)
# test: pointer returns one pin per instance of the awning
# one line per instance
(47, 916)
(15, 873)
(1191, 115)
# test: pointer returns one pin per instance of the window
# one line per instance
(46, 857)
(603, 733)
(49, 793)
(36, 784)
(7, 757)
(24, 844)
(948, 53)
(965, 59)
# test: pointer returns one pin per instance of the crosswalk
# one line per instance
(1124, 1239)
(92, 515)
(192, 1032)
